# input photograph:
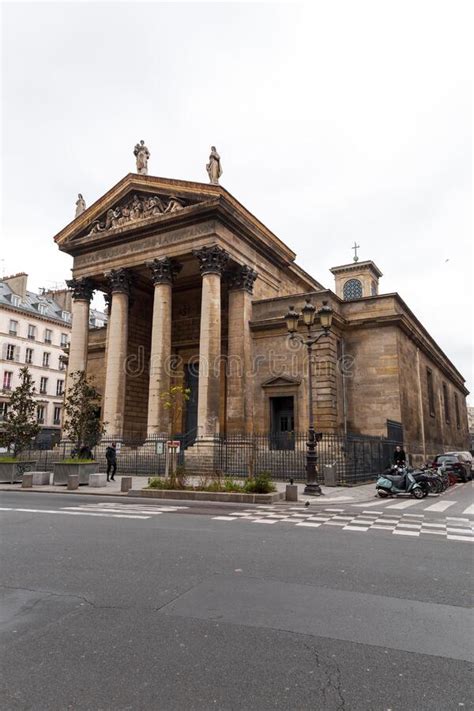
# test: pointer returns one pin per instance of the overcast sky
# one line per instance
(335, 122)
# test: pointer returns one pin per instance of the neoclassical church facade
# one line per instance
(198, 289)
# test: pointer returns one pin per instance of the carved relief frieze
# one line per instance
(136, 208)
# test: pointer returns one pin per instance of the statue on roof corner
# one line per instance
(80, 205)
(214, 169)
(142, 155)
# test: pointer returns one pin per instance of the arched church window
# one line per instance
(352, 289)
(373, 288)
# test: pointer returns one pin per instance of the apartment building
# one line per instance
(34, 331)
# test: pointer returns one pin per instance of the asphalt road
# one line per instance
(112, 605)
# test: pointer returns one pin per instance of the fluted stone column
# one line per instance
(239, 412)
(163, 272)
(116, 352)
(212, 262)
(82, 290)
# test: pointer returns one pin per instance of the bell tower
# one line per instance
(357, 279)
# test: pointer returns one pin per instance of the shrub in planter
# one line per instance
(260, 484)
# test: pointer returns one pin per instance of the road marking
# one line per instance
(373, 513)
(78, 513)
(308, 524)
(406, 533)
(373, 503)
(469, 510)
(403, 504)
(355, 528)
(224, 518)
(461, 538)
(67, 509)
(440, 506)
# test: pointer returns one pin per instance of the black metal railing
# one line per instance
(355, 458)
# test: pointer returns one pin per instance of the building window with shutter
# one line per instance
(40, 414)
(29, 356)
(46, 360)
(7, 380)
(57, 415)
(10, 352)
(60, 387)
(43, 385)
(61, 364)
(13, 328)
(48, 335)
(31, 332)
(63, 340)
(430, 390)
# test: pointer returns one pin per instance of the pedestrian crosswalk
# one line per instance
(427, 505)
(399, 524)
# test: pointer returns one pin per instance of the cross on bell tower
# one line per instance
(355, 248)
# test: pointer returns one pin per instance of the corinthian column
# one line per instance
(163, 272)
(116, 352)
(239, 410)
(212, 262)
(82, 290)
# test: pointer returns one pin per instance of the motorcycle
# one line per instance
(402, 482)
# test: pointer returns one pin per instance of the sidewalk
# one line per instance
(331, 495)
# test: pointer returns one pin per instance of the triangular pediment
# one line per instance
(281, 381)
(136, 201)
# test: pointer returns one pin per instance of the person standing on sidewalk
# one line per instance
(111, 457)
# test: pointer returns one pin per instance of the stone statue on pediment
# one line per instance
(80, 205)
(174, 204)
(142, 154)
(214, 168)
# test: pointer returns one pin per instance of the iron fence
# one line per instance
(355, 458)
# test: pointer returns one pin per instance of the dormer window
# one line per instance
(42, 308)
(66, 316)
(16, 300)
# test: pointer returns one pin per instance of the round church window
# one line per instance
(352, 289)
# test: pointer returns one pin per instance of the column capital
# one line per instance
(119, 280)
(164, 270)
(82, 289)
(242, 277)
(212, 260)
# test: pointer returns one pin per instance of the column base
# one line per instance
(313, 490)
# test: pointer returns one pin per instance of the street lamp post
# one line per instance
(309, 314)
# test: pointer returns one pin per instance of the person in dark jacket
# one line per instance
(399, 456)
(111, 457)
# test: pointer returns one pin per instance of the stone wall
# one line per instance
(372, 380)
(427, 431)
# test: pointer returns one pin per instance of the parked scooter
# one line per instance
(398, 481)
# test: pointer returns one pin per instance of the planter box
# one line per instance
(208, 496)
(12, 472)
(61, 472)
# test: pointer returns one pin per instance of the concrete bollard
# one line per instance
(72, 481)
(27, 481)
(291, 492)
(126, 483)
(330, 476)
(97, 480)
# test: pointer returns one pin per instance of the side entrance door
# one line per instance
(282, 423)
